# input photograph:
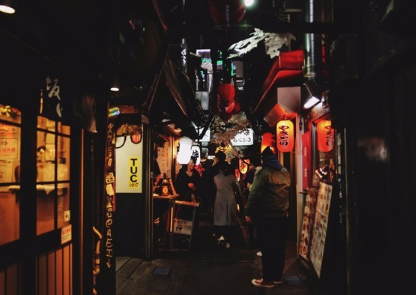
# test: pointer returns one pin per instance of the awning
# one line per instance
(173, 99)
(286, 74)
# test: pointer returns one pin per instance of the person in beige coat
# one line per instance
(225, 206)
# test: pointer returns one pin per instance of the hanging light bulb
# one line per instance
(8, 6)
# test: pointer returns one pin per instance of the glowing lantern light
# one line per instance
(196, 153)
(325, 136)
(244, 165)
(267, 140)
(185, 150)
(285, 138)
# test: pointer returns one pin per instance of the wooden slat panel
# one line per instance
(2, 282)
(70, 268)
(51, 273)
(12, 280)
(58, 275)
(66, 266)
(42, 275)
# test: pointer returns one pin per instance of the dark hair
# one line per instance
(220, 155)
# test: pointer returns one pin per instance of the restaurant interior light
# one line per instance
(115, 81)
(8, 6)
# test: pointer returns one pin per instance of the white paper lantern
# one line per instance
(185, 150)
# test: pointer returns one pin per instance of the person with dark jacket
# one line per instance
(267, 207)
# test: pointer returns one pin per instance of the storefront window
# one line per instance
(10, 140)
(52, 182)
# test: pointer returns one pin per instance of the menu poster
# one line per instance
(308, 220)
(320, 226)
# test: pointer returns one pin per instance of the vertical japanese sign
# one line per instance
(51, 101)
(306, 160)
(109, 205)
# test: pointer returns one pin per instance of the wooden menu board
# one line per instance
(320, 226)
(308, 221)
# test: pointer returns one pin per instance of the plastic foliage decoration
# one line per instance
(272, 41)
(224, 131)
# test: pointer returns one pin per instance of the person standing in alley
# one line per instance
(267, 207)
(210, 189)
(225, 206)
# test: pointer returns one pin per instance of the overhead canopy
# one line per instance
(173, 100)
(280, 92)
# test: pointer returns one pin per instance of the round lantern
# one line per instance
(226, 94)
(227, 12)
(325, 136)
(184, 150)
(267, 140)
(243, 164)
(285, 136)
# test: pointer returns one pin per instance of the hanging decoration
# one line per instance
(227, 106)
(285, 139)
(225, 131)
(325, 136)
(272, 42)
(266, 140)
(184, 150)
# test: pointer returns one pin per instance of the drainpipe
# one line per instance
(313, 48)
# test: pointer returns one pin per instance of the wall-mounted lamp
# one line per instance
(315, 94)
(322, 172)
(8, 6)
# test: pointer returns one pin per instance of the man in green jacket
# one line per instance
(267, 207)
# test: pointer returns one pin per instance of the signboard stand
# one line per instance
(183, 224)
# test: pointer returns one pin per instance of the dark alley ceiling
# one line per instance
(91, 37)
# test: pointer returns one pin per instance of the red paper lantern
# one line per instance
(285, 136)
(227, 12)
(267, 140)
(325, 136)
(243, 163)
(226, 93)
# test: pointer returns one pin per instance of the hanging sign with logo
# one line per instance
(51, 99)
(325, 136)
(285, 138)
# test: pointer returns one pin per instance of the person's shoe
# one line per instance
(278, 282)
(262, 284)
(221, 241)
(259, 254)
(227, 245)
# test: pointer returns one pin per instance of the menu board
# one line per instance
(320, 226)
(308, 220)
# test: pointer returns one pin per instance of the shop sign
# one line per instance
(51, 101)
(182, 226)
(243, 138)
(66, 234)
(134, 173)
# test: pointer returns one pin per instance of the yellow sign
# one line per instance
(134, 173)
